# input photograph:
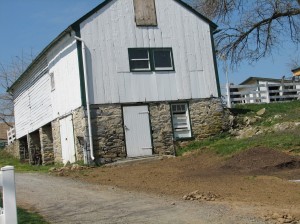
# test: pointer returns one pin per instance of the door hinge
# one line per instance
(146, 147)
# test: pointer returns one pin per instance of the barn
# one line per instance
(131, 78)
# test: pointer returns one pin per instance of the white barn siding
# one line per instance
(112, 30)
(33, 107)
(35, 103)
(63, 63)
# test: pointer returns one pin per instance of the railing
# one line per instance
(261, 93)
(11, 135)
(8, 214)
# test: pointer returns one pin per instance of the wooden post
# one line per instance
(228, 95)
(267, 93)
(9, 195)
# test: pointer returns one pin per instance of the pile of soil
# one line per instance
(262, 159)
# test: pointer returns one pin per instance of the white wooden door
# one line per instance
(67, 139)
(137, 131)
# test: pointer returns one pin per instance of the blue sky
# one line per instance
(30, 25)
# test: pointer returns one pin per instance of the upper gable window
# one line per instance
(162, 59)
(139, 59)
(151, 59)
(145, 12)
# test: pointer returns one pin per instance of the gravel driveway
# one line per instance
(62, 200)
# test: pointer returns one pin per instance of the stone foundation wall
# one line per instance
(80, 132)
(162, 135)
(208, 117)
(56, 141)
(34, 147)
(47, 145)
(108, 135)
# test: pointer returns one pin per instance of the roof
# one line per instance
(262, 79)
(3, 131)
(75, 26)
(296, 70)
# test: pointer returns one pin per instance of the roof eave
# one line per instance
(190, 8)
(75, 25)
(44, 51)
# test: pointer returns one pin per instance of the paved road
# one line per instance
(62, 200)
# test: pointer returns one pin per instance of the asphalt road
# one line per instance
(62, 200)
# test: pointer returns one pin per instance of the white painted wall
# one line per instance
(35, 103)
(112, 30)
(63, 63)
(32, 101)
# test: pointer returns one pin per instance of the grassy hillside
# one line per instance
(276, 129)
(7, 160)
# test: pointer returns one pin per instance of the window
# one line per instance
(181, 121)
(139, 60)
(151, 59)
(52, 81)
(162, 59)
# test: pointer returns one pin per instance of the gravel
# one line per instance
(63, 200)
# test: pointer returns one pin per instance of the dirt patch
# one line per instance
(256, 176)
(261, 160)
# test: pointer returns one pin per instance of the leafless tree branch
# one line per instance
(8, 75)
(250, 30)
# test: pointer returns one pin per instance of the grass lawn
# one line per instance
(224, 144)
(26, 217)
(8, 160)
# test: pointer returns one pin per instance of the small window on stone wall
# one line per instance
(181, 121)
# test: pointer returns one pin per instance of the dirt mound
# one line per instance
(262, 159)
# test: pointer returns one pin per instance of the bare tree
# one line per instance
(8, 75)
(250, 30)
(294, 63)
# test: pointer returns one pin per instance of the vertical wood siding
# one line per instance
(35, 103)
(32, 101)
(63, 63)
(112, 30)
